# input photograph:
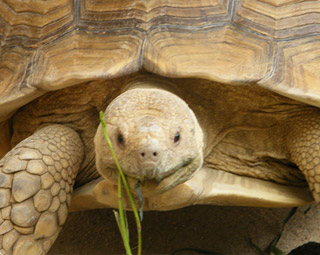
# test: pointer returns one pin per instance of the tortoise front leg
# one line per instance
(36, 183)
(304, 147)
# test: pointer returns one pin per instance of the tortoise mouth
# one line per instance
(171, 178)
(161, 175)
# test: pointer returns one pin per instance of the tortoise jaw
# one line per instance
(160, 175)
(161, 183)
(177, 175)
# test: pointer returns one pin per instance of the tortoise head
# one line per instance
(156, 137)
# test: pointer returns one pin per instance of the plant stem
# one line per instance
(126, 186)
(124, 227)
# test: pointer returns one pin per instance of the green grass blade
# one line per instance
(126, 186)
(276, 251)
(284, 222)
(307, 210)
(122, 219)
(123, 233)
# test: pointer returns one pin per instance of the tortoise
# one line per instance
(209, 102)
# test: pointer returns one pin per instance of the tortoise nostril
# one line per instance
(147, 155)
(155, 154)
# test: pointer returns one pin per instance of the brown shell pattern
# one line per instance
(48, 45)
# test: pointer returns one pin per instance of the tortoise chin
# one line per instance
(179, 174)
(155, 186)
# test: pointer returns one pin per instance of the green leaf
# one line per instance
(307, 210)
(284, 222)
(276, 251)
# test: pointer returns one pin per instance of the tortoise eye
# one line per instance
(176, 137)
(120, 139)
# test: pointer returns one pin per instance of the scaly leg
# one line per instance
(36, 183)
(304, 147)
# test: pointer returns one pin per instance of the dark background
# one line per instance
(214, 228)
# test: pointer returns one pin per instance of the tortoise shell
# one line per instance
(49, 45)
